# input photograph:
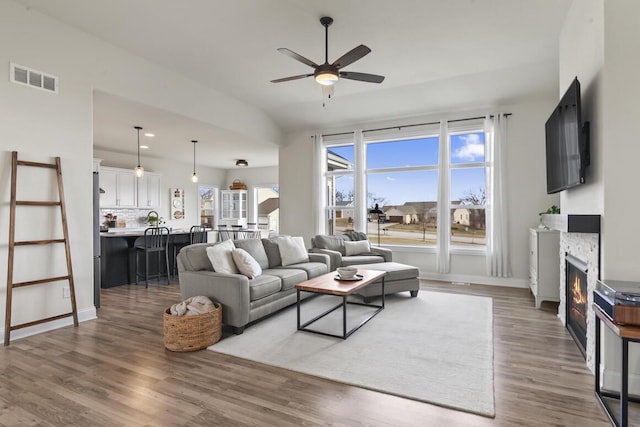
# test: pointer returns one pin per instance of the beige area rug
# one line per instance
(436, 348)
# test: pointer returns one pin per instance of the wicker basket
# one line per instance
(191, 333)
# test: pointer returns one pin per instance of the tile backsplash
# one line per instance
(131, 217)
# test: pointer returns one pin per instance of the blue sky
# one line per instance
(400, 187)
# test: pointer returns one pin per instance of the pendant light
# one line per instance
(139, 170)
(194, 177)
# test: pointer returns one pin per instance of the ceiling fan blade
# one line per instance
(298, 57)
(363, 77)
(286, 79)
(352, 56)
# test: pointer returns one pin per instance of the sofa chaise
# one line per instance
(352, 248)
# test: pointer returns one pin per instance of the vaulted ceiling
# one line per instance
(437, 55)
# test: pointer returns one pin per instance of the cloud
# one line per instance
(473, 148)
(390, 178)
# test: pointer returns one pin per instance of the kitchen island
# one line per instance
(118, 256)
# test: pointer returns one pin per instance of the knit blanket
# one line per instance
(191, 306)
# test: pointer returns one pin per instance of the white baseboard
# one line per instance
(83, 316)
(611, 381)
(479, 280)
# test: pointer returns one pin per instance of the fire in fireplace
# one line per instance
(576, 301)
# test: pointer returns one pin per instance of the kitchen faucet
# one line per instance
(153, 218)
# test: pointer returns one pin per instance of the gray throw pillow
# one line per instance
(273, 252)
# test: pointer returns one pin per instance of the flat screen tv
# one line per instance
(567, 142)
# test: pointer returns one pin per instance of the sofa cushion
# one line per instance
(263, 286)
(334, 243)
(361, 259)
(246, 264)
(292, 250)
(312, 269)
(195, 257)
(356, 235)
(255, 248)
(357, 248)
(272, 251)
(221, 257)
(290, 277)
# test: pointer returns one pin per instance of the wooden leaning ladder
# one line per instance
(12, 245)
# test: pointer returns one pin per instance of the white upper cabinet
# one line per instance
(123, 190)
(149, 191)
(119, 187)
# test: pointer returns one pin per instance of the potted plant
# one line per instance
(552, 210)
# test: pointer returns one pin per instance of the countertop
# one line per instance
(137, 232)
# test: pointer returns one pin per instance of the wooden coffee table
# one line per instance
(329, 285)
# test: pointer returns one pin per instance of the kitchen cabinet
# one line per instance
(119, 187)
(149, 191)
(234, 207)
(544, 265)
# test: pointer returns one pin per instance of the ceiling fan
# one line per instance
(328, 74)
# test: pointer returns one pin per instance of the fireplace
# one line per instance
(576, 300)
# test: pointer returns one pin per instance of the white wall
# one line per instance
(599, 45)
(526, 187)
(41, 125)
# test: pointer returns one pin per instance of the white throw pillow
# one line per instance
(292, 250)
(357, 247)
(221, 257)
(246, 263)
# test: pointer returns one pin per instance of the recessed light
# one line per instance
(144, 146)
(149, 134)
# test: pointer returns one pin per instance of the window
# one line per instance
(402, 178)
(267, 200)
(340, 188)
(207, 205)
(467, 188)
(409, 175)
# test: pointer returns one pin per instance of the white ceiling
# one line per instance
(437, 56)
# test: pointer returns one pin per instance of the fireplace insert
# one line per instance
(576, 301)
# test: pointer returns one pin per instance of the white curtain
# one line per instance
(319, 186)
(497, 219)
(360, 183)
(444, 214)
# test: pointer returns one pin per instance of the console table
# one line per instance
(626, 334)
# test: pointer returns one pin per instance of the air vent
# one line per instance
(33, 78)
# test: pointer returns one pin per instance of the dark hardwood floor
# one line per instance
(115, 371)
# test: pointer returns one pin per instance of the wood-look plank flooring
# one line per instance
(114, 371)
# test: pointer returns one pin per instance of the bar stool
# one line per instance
(154, 242)
(197, 234)
(223, 233)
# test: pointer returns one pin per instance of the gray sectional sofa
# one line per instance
(246, 300)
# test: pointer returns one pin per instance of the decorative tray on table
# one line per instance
(356, 277)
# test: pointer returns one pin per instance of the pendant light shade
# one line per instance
(138, 170)
(194, 177)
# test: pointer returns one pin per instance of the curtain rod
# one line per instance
(408, 126)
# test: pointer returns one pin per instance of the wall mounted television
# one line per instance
(567, 142)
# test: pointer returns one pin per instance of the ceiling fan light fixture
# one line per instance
(241, 163)
(326, 78)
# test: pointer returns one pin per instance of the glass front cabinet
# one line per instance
(234, 207)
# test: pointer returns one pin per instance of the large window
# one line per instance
(411, 179)
(402, 179)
